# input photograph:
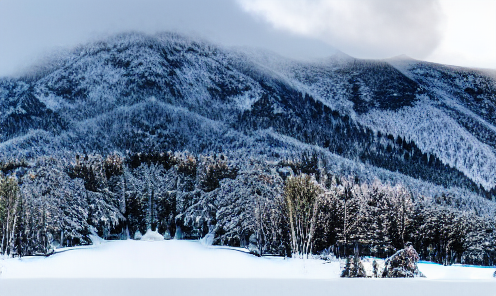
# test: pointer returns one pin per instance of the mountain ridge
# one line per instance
(225, 85)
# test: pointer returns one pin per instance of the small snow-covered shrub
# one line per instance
(137, 235)
(208, 240)
(253, 245)
(373, 267)
(328, 255)
(403, 264)
(152, 236)
(353, 268)
(95, 239)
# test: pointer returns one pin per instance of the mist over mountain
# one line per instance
(429, 127)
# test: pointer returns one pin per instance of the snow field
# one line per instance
(163, 259)
(457, 272)
(242, 287)
(180, 267)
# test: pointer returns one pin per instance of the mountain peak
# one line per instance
(341, 57)
(401, 57)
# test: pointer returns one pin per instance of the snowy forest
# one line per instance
(335, 157)
(287, 207)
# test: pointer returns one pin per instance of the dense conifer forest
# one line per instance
(249, 203)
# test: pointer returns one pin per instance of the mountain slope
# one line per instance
(446, 111)
(167, 92)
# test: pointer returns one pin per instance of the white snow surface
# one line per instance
(163, 259)
(152, 236)
(456, 272)
(180, 267)
(154, 257)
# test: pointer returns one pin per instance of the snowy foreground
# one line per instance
(177, 267)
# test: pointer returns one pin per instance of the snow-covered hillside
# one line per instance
(437, 133)
(447, 111)
(92, 100)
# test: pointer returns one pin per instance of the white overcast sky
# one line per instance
(456, 32)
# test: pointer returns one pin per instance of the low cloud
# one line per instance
(369, 29)
(31, 29)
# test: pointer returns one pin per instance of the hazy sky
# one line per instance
(457, 32)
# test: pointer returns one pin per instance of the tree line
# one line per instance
(349, 217)
(288, 208)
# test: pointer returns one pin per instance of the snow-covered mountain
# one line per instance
(168, 92)
(179, 135)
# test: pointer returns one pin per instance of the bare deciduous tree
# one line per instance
(302, 194)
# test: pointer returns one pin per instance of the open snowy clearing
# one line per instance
(165, 259)
(190, 268)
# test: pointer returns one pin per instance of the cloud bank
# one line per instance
(371, 29)
(458, 32)
(29, 29)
